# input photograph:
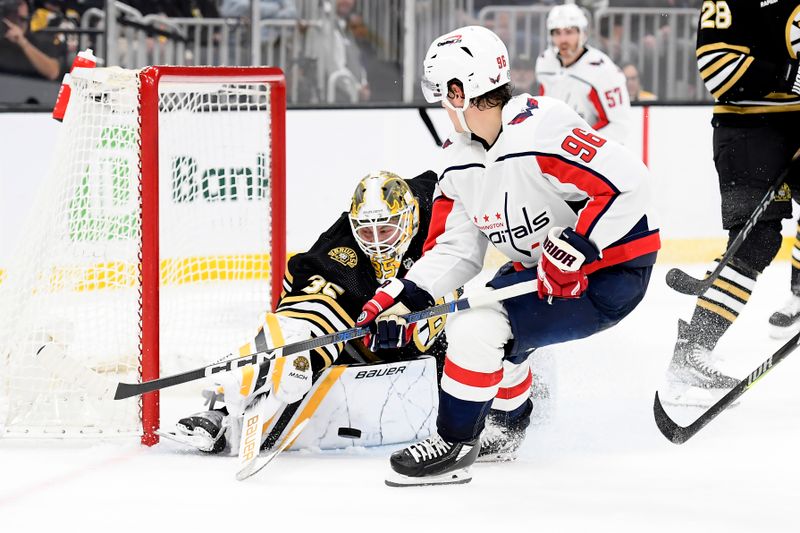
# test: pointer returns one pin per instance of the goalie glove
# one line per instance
(289, 377)
(790, 76)
(383, 313)
(560, 269)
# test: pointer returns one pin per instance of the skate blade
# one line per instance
(497, 458)
(193, 441)
(456, 477)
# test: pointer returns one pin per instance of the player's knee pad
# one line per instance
(476, 337)
(515, 386)
(760, 247)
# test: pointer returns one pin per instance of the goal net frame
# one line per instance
(237, 89)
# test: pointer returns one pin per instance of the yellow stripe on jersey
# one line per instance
(316, 319)
(733, 79)
(327, 301)
(756, 109)
(781, 96)
(719, 64)
(714, 47)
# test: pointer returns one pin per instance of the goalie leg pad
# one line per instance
(382, 403)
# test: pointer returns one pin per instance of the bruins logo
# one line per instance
(784, 194)
(344, 255)
(301, 364)
(793, 33)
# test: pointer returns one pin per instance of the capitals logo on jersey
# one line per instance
(526, 113)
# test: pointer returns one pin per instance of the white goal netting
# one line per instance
(75, 286)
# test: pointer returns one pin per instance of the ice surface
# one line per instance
(598, 465)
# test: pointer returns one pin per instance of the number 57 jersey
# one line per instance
(546, 169)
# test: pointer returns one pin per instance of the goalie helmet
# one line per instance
(384, 215)
(473, 55)
(568, 16)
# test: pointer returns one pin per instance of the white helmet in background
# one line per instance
(473, 55)
(568, 16)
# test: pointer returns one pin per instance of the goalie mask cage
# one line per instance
(156, 245)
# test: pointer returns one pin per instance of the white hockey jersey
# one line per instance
(593, 86)
(547, 168)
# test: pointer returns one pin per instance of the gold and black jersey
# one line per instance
(742, 49)
(328, 285)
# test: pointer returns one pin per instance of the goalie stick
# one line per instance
(127, 390)
(679, 434)
(682, 282)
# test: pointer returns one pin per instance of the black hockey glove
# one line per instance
(383, 313)
(790, 76)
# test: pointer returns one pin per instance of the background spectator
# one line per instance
(268, 9)
(24, 52)
(635, 90)
(344, 74)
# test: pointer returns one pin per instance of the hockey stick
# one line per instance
(255, 416)
(259, 462)
(679, 434)
(686, 284)
(126, 390)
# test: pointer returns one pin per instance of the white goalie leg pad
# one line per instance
(368, 405)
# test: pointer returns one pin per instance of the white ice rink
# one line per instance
(599, 465)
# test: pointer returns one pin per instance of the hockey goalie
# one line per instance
(347, 393)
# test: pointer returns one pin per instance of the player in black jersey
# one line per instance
(324, 289)
(747, 55)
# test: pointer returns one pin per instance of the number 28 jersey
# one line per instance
(546, 169)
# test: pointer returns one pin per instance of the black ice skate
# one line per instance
(692, 378)
(785, 322)
(203, 430)
(501, 438)
(433, 461)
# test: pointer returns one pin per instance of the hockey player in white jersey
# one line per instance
(565, 204)
(583, 76)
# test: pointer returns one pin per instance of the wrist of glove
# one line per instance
(564, 255)
(288, 378)
(383, 313)
(790, 76)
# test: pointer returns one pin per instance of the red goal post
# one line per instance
(150, 79)
(156, 245)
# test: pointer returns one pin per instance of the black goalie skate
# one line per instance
(203, 430)
(433, 461)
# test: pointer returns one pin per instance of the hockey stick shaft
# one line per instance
(679, 434)
(682, 282)
(126, 390)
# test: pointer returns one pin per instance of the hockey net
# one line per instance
(155, 246)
